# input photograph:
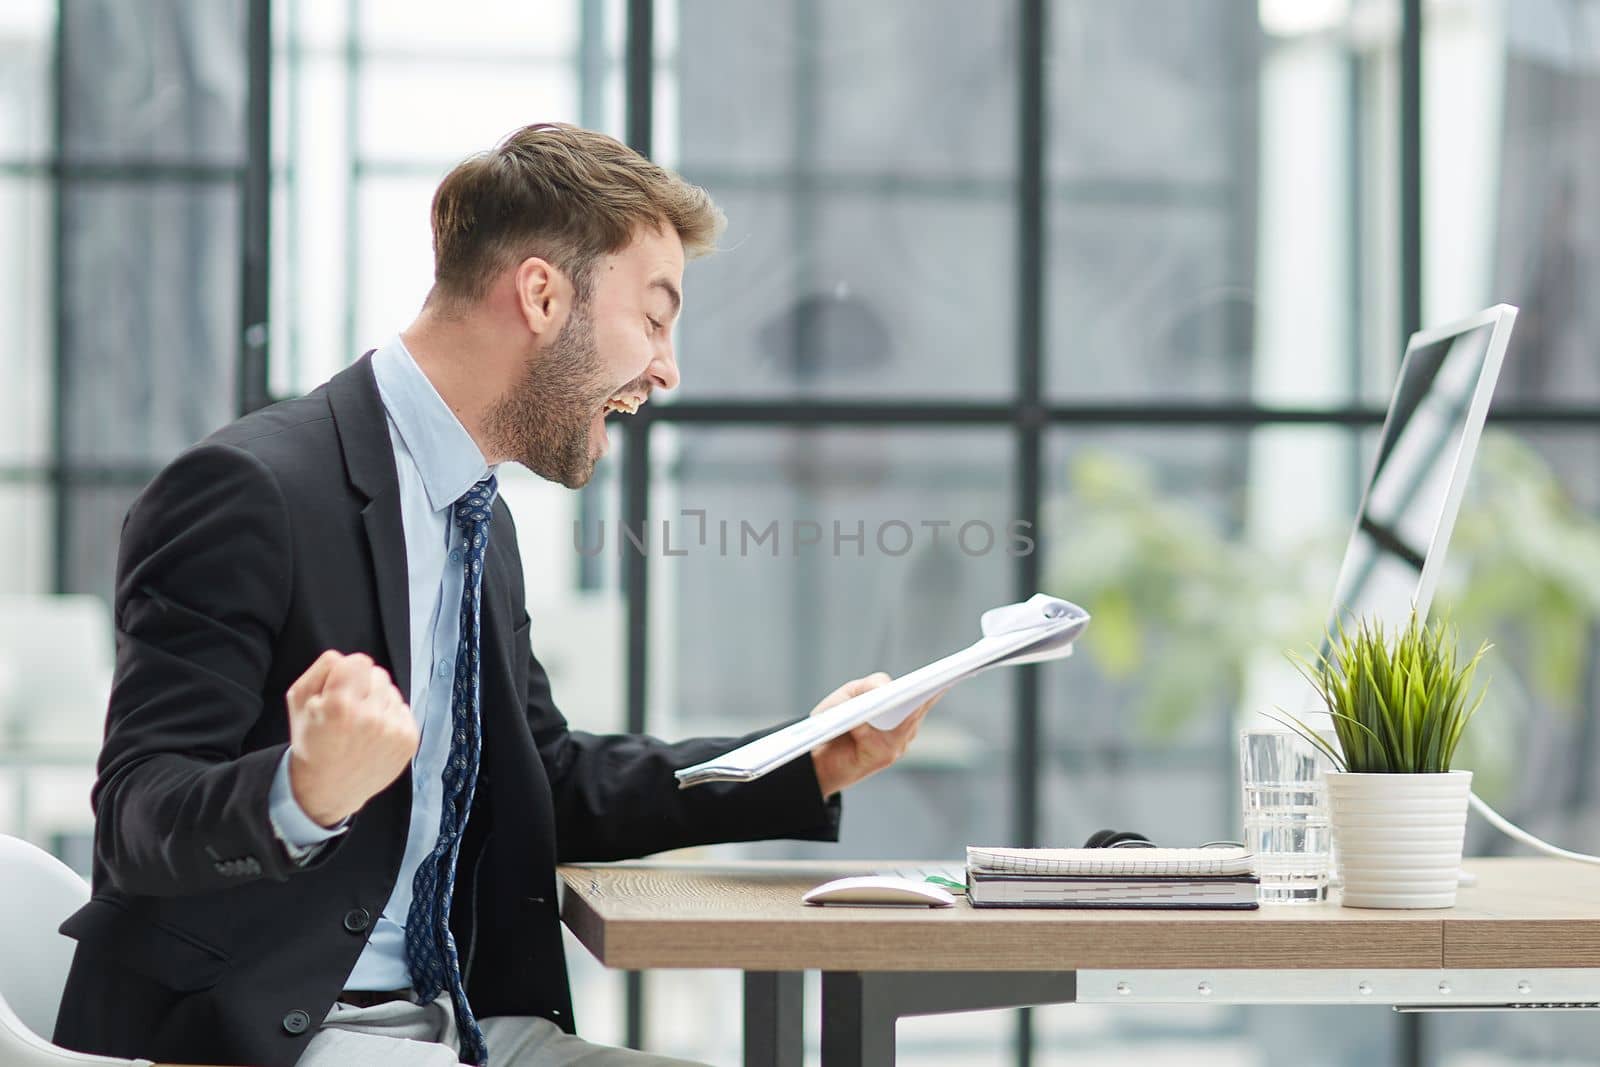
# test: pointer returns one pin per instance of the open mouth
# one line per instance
(621, 404)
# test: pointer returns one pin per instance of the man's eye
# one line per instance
(655, 326)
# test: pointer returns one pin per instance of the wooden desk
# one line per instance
(1528, 935)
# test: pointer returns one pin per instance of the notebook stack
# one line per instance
(1111, 878)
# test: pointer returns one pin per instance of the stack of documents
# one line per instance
(1038, 629)
(1110, 878)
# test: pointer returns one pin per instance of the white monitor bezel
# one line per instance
(1501, 317)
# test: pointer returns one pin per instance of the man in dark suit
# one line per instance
(334, 785)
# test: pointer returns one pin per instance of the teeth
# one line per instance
(625, 405)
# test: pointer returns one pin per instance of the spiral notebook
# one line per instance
(986, 890)
(1181, 862)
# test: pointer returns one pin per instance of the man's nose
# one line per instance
(663, 369)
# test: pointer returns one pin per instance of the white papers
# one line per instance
(1038, 629)
(1066, 862)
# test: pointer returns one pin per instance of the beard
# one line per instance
(543, 422)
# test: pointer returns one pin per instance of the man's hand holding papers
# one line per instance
(1039, 629)
(866, 749)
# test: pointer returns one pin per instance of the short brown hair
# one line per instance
(566, 194)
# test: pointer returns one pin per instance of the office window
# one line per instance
(25, 326)
(1512, 203)
(1153, 143)
(27, 32)
(25, 537)
(26, 35)
(159, 83)
(150, 320)
(1533, 752)
(868, 171)
(152, 120)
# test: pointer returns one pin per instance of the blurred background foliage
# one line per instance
(1185, 608)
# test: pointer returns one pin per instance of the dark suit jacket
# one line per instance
(276, 538)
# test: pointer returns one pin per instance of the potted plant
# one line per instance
(1397, 810)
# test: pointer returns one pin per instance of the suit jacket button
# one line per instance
(356, 920)
(296, 1022)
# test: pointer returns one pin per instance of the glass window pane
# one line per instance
(27, 556)
(26, 212)
(89, 542)
(1150, 303)
(884, 306)
(1521, 575)
(739, 104)
(599, 995)
(892, 94)
(393, 256)
(868, 178)
(1220, 201)
(1512, 207)
(1153, 139)
(155, 82)
(27, 43)
(313, 160)
(441, 111)
(1199, 578)
(544, 30)
(150, 338)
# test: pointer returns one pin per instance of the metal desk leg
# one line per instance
(857, 1023)
(859, 1010)
(774, 1019)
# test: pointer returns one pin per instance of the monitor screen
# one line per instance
(1429, 438)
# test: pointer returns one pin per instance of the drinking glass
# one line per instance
(1285, 814)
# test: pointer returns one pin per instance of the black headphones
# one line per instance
(1116, 838)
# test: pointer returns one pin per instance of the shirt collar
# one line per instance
(446, 456)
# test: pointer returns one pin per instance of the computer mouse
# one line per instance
(879, 889)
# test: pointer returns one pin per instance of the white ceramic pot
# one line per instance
(1398, 837)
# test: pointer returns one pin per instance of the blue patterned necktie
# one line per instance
(430, 947)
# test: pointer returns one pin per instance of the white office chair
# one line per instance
(37, 893)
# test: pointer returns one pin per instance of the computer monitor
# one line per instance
(1396, 552)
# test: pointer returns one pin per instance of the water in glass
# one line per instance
(1285, 815)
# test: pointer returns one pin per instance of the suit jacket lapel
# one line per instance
(369, 462)
(499, 614)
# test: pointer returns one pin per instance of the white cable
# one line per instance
(1500, 823)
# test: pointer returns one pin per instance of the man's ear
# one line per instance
(544, 295)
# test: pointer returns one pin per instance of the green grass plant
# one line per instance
(1399, 702)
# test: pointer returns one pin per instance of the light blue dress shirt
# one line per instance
(436, 461)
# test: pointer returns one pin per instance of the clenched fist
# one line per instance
(350, 735)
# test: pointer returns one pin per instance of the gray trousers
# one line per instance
(402, 1034)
